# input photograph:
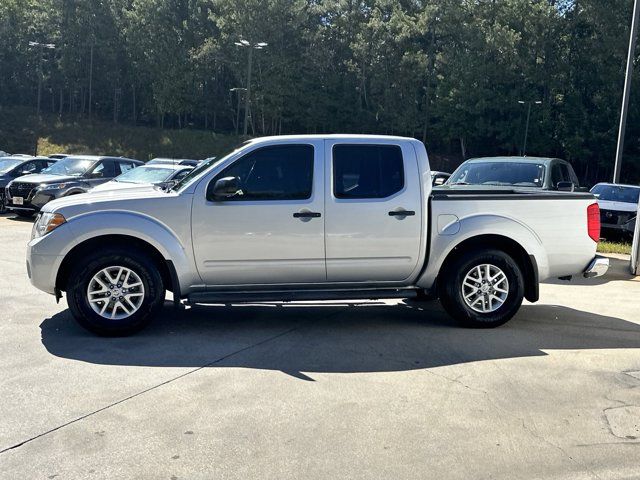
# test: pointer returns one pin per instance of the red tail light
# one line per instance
(593, 221)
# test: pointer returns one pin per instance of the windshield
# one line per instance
(616, 193)
(7, 164)
(145, 175)
(71, 166)
(519, 174)
(205, 165)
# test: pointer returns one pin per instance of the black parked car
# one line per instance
(69, 176)
(13, 167)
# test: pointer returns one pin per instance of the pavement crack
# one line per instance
(154, 387)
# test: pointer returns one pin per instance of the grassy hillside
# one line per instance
(21, 132)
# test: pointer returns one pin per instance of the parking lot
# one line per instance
(322, 390)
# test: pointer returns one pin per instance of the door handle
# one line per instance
(402, 213)
(307, 215)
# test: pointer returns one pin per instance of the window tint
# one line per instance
(558, 174)
(29, 167)
(40, 165)
(105, 169)
(282, 172)
(367, 171)
(122, 167)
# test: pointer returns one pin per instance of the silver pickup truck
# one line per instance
(310, 218)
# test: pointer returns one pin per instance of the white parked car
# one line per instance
(318, 217)
(146, 175)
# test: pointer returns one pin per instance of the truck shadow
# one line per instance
(303, 339)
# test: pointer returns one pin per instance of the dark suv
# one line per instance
(13, 167)
(69, 176)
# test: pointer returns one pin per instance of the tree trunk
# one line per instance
(463, 148)
(135, 109)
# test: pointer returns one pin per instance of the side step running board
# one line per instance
(300, 295)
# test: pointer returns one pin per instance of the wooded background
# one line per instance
(449, 72)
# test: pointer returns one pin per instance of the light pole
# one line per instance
(252, 46)
(42, 46)
(627, 90)
(238, 90)
(526, 130)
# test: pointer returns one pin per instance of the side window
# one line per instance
(367, 171)
(280, 172)
(557, 174)
(98, 171)
(29, 167)
(104, 169)
(566, 174)
(42, 164)
(122, 167)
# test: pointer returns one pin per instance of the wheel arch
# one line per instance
(515, 250)
(126, 242)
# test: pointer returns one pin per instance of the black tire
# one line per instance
(133, 259)
(24, 214)
(451, 294)
(3, 206)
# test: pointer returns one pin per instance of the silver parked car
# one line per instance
(163, 175)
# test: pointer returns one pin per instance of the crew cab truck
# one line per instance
(309, 218)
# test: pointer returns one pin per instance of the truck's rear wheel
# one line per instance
(115, 292)
(482, 288)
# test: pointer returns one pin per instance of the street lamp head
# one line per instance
(50, 45)
(245, 42)
(539, 102)
(33, 44)
(521, 102)
(261, 44)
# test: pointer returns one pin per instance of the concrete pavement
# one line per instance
(322, 390)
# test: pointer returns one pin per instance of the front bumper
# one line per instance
(598, 267)
(45, 255)
(34, 201)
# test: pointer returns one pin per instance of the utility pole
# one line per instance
(90, 77)
(526, 130)
(247, 101)
(627, 91)
(41, 47)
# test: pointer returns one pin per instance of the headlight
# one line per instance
(45, 223)
(53, 186)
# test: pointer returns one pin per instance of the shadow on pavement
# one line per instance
(15, 218)
(334, 337)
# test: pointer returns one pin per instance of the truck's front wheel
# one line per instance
(482, 288)
(115, 292)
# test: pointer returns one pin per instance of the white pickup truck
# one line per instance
(310, 218)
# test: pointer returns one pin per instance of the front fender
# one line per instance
(449, 236)
(96, 224)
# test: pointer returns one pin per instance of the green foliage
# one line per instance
(614, 247)
(27, 134)
(450, 72)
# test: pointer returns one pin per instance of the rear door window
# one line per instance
(367, 171)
